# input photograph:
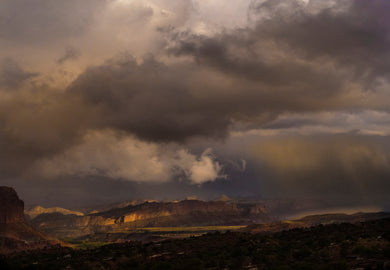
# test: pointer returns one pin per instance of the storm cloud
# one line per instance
(114, 89)
(12, 75)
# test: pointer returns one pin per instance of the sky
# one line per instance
(107, 100)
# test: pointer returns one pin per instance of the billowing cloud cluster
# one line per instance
(110, 155)
(131, 89)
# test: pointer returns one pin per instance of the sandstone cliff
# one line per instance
(11, 207)
(15, 233)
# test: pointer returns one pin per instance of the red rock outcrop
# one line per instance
(11, 207)
(15, 234)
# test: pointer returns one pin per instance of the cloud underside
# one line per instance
(308, 69)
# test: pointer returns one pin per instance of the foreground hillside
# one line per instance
(314, 220)
(364, 245)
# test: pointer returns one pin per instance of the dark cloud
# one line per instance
(357, 37)
(12, 75)
(152, 100)
(38, 123)
(291, 49)
(70, 53)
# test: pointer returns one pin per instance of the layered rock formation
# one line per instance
(156, 214)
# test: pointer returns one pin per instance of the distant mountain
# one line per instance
(314, 220)
(34, 211)
(106, 207)
(224, 198)
(285, 208)
(187, 213)
(155, 214)
(15, 233)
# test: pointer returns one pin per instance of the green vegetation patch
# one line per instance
(83, 244)
(193, 229)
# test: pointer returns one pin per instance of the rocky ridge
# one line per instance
(37, 210)
(155, 214)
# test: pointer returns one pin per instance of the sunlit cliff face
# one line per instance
(104, 99)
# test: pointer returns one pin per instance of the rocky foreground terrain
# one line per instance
(362, 245)
(314, 220)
